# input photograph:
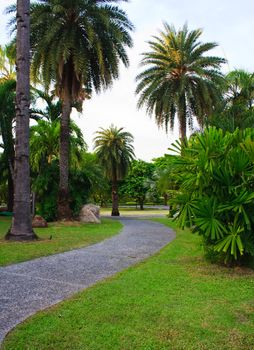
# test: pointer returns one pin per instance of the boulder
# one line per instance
(90, 213)
(39, 221)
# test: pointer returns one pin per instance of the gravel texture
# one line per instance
(34, 285)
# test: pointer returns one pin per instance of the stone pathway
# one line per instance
(34, 285)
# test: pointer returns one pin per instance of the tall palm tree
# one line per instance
(21, 228)
(179, 78)
(78, 45)
(115, 151)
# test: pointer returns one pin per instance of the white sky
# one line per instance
(228, 22)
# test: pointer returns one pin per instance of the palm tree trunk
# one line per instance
(21, 228)
(182, 117)
(10, 200)
(11, 159)
(115, 210)
(165, 196)
(182, 122)
(141, 203)
(63, 205)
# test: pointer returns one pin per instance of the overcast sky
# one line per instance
(228, 22)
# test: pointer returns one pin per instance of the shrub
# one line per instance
(215, 177)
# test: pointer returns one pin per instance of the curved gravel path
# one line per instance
(34, 285)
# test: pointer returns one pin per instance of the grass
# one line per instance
(64, 237)
(174, 300)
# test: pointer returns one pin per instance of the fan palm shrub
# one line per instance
(215, 175)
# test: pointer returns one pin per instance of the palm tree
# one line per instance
(78, 45)
(44, 145)
(240, 88)
(236, 109)
(115, 151)
(179, 78)
(21, 228)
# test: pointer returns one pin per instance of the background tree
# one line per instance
(21, 228)
(100, 191)
(163, 175)
(180, 78)
(236, 109)
(77, 45)
(138, 182)
(7, 63)
(115, 151)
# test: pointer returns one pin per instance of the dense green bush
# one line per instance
(45, 186)
(215, 175)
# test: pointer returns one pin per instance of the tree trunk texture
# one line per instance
(182, 122)
(10, 199)
(115, 210)
(165, 196)
(182, 117)
(63, 205)
(11, 159)
(21, 228)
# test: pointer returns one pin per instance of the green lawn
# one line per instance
(64, 237)
(174, 300)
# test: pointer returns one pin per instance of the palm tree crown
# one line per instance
(114, 150)
(78, 43)
(180, 78)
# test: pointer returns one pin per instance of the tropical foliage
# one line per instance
(236, 109)
(7, 115)
(180, 78)
(215, 197)
(44, 155)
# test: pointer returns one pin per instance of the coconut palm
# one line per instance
(21, 228)
(77, 45)
(114, 149)
(179, 78)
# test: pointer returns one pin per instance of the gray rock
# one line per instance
(90, 213)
